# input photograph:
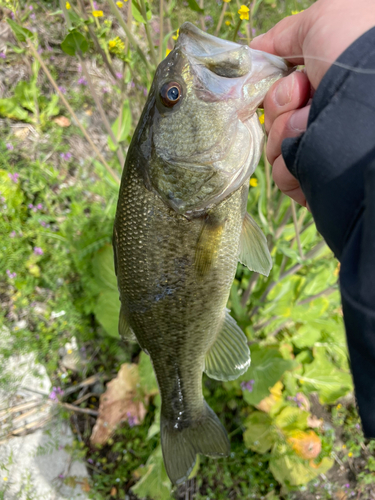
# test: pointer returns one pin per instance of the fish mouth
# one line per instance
(228, 70)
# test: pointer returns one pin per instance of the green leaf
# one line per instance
(146, 375)
(121, 130)
(154, 482)
(22, 34)
(322, 375)
(260, 434)
(10, 108)
(306, 336)
(107, 310)
(73, 42)
(25, 93)
(289, 469)
(137, 13)
(267, 367)
(107, 307)
(104, 269)
(195, 7)
(291, 418)
(154, 428)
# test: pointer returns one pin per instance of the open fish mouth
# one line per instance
(228, 70)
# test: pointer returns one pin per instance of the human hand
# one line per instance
(316, 37)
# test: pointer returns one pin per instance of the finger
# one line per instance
(285, 181)
(286, 38)
(289, 93)
(291, 124)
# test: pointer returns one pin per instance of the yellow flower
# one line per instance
(97, 13)
(176, 35)
(337, 270)
(244, 12)
(226, 1)
(350, 454)
(112, 44)
(253, 182)
(168, 51)
(67, 5)
(261, 118)
(294, 12)
(228, 23)
(344, 446)
(5, 479)
(339, 406)
(120, 4)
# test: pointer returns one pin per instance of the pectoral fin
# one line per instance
(254, 252)
(208, 244)
(229, 357)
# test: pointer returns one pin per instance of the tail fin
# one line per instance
(180, 446)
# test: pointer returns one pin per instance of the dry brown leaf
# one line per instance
(315, 422)
(21, 133)
(119, 403)
(113, 491)
(62, 121)
(307, 445)
(85, 485)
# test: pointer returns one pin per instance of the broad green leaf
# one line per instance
(107, 306)
(260, 433)
(25, 93)
(306, 336)
(322, 375)
(267, 367)
(195, 7)
(12, 192)
(104, 269)
(73, 42)
(52, 108)
(289, 469)
(291, 418)
(147, 375)
(107, 310)
(10, 108)
(137, 14)
(22, 34)
(154, 482)
(121, 130)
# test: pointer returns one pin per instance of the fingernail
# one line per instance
(298, 120)
(284, 90)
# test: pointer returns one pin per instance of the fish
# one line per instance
(181, 227)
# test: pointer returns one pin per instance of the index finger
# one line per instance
(285, 39)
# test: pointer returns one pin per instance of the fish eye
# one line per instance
(170, 94)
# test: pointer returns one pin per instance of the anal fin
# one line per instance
(229, 356)
(254, 252)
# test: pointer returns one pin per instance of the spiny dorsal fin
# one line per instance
(229, 356)
(254, 252)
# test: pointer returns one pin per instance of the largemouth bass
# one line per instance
(181, 227)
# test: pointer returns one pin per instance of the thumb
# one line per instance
(285, 39)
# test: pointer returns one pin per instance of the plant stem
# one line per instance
(203, 25)
(221, 19)
(107, 60)
(296, 229)
(161, 25)
(148, 33)
(129, 35)
(53, 83)
(236, 29)
(107, 125)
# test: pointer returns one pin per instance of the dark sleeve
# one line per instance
(334, 161)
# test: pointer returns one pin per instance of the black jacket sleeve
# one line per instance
(334, 161)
